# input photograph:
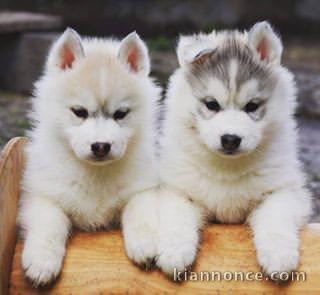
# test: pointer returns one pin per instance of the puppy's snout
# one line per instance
(230, 142)
(100, 149)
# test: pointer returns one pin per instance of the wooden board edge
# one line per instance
(11, 165)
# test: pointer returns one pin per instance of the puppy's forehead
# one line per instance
(233, 63)
(101, 82)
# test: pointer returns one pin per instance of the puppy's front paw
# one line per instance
(278, 255)
(141, 246)
(177, 257)
(41, 264)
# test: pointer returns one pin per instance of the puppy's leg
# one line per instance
(276, 224)
(180, 222)
(140, 225)
(46, 230)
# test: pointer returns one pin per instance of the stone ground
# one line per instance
(303, 58)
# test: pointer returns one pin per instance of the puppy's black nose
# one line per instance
(100, 149)
(230, 142)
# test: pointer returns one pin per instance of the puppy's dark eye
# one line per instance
(120, 114)
(251, 107)
(212, 105)
(80, 112)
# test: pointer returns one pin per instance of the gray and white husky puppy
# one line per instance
(229, 151)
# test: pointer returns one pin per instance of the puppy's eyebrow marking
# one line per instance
(247, 91)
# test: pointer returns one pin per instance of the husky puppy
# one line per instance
(229, 151)
(91, 147)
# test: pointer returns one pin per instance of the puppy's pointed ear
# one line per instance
(264, 41)
(133, 53)
(185, 52)
(66, 50)
(194, 51)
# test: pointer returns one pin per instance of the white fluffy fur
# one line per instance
(62, 186)
(263, 186)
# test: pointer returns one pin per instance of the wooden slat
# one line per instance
(17, 22)
(11, 163)
(96, 264)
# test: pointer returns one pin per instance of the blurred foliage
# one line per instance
(208, 28)
(160, 43)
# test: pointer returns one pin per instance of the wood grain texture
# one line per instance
(96, 264)
(11, 164)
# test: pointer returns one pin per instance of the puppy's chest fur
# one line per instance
(224, 200)
(91, 200)
(93, 204)
(95, 200)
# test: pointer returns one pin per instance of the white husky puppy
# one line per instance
(230, 149)
(91, 148)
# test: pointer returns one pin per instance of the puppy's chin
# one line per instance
(99, 162)
(94, 161)
(229, 155)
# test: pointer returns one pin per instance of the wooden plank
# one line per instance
(96, 264)
(11, 163)
(17, 22)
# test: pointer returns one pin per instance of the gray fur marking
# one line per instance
(217, 64)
